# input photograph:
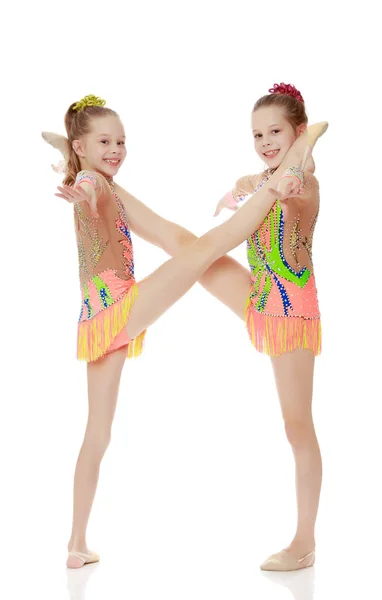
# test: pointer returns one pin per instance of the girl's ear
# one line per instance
(78, 149)
(301, 129)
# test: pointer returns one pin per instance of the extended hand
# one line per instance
(79, 194)
(223, 204)
(227, 201)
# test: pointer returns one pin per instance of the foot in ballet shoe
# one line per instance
(299, 155)
(301, 150)
(313, 132)
(316, 131)
(284, 561)
(76, 560)
(58, 141)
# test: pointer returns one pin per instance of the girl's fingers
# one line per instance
(274, 193)
(67, 196)
(68, 192)
(73, 191)
(73, 195)
(63, 197)
(222, 205)
(77, 195)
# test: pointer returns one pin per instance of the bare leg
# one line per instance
(294, 380)
(229, 282)
(226, 279)
(103, 384)
(173, 279)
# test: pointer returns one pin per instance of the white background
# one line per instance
(197, 487)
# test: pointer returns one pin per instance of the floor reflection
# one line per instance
(299, 583)
(78, 580)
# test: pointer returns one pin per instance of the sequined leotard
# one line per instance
(106, 267)
(282, 309)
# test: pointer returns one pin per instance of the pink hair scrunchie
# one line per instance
(287, 89)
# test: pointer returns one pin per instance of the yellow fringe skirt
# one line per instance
(105, 332)
(274, 335)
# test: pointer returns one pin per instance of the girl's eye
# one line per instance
(276, 131)
(257, 135)
(121, 143)
(103, 141)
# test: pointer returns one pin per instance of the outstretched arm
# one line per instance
(89, 187)
(243, 188)
(153, 228)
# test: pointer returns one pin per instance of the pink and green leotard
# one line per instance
(282, 312)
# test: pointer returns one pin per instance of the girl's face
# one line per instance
(273, 134)
(103, 148)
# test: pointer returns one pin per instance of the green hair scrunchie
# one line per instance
(90, 100)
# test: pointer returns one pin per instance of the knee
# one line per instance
(299, 431)
(96, 444)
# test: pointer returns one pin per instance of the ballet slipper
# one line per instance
(300, 152)
(284, 561)
(60, 142)
(311, 135)
(86, 559)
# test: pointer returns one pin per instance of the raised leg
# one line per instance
(174, 278)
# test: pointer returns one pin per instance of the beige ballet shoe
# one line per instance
(300, 153)
(86, 559)
(303, 146)
(313, 133)
(316, 131)
(284, 561)
(58, 141)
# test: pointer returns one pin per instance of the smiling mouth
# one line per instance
(271, 153)
(112, 161)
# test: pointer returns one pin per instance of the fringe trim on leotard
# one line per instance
(97, 334)
(277, 335)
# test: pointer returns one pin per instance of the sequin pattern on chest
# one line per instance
(271, 272)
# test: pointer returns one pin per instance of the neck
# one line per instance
(85, 166)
